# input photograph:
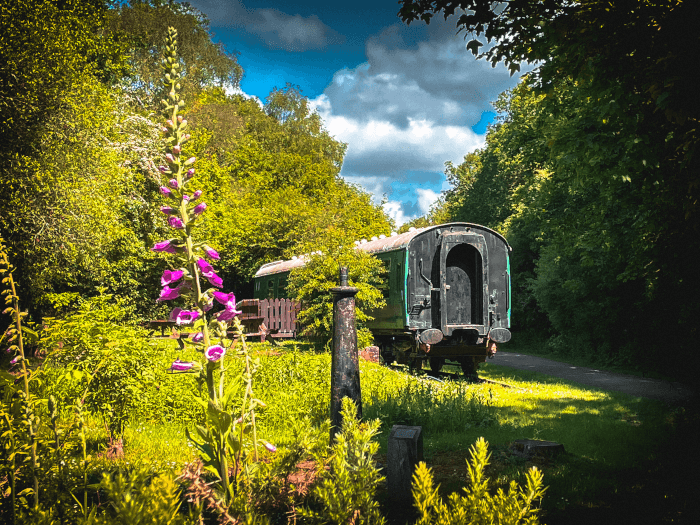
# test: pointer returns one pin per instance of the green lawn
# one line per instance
(618, 448)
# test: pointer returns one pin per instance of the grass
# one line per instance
(617, 447)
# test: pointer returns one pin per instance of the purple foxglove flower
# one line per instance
(174, 313)
(186, 137)
(196, 195)
(204, 266)
(167, 293)
(214, 353)
(16, 360)
(269, 446)
(170, 123)
(183, 316)
(227, 299)
(163, 169)
(167, 247)
(176, 222)
(171, 276)
(198, 337)
(190, 161)
(199, 209)
(189, 173)
(212, 253)
(169, 158)
(173, 184)
(214, 279)
(164, 129)
(185, 197)
(166, 191)
(177, 149)
(181, 366)
(164, 246)
(225, 315)
(168, 210)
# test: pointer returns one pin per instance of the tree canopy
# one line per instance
(591, 169)
(81, 150)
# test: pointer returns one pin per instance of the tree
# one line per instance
(276, 188)
(311, 285)
(142, 27)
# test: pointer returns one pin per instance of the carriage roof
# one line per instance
(396, 241)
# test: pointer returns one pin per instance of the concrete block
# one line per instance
(404, 451)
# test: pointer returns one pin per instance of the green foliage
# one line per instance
(140, 498)
(113, 368)
(272, 179)
(477, 505)
(311, 285)
(346, 491)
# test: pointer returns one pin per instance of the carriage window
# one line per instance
(283, 287)
(270, 289)
(385, 286)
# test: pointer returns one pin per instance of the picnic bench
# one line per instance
(266, 318)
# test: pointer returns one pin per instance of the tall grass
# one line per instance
(610, 438)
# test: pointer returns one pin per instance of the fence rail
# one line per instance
(274, 318)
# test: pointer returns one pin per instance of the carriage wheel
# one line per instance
(436, 363)
(468, 367)
(415, 364)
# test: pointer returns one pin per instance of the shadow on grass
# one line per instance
(628, 460)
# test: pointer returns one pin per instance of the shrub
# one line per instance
(346, 491)
(114, 369)
(477, 506)
(311, 285)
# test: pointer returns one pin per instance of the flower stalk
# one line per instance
(195, 280)
(14, 335)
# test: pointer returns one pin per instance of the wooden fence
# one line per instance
(274, 318)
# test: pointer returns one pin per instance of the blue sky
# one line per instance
(405, 99)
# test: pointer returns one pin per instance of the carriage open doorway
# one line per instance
(462, 281)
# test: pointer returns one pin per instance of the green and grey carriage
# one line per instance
(447, 294)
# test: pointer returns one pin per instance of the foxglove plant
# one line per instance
(222, 438)
(26, 400)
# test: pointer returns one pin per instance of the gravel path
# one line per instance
(670, 392)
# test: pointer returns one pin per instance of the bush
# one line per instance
(477, 506)
(346, 491)
(115, 370)
(311, 285)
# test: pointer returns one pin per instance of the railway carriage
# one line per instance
(447, 294)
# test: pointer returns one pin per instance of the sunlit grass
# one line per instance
(606, 435)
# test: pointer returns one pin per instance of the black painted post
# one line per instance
(345, 367)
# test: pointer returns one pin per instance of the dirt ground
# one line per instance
(670, 392)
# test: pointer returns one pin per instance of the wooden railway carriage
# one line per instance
(448, 294)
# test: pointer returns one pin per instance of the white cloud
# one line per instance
(426, 198)
(407, 110)
(276, 29)
(394, 209)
